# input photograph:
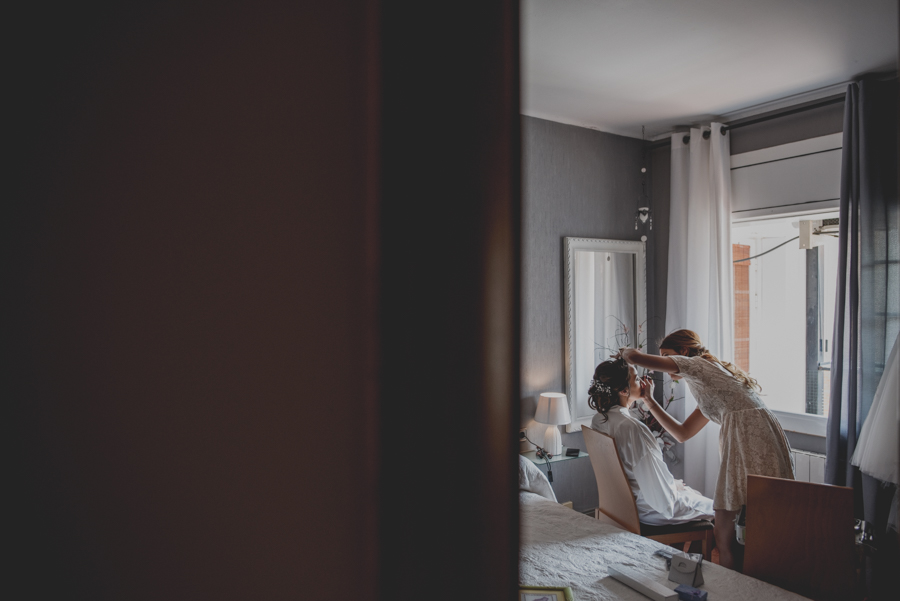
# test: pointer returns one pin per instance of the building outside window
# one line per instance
(784, 310)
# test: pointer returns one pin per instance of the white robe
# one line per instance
(660, 498)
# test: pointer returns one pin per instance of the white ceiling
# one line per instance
(615, 65)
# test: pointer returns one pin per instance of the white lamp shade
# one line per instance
(553, 409)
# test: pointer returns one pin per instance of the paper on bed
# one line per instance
(531, 479)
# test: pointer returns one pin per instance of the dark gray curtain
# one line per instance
(867, 308)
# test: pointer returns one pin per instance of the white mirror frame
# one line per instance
(636, 248)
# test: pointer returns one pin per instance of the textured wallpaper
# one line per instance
(577, 182)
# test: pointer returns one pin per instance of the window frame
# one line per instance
(802, 203)
(802, 423)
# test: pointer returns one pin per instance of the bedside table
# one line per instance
(573, 481)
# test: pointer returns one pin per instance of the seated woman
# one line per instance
(660, 498)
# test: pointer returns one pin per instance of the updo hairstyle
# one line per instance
(610, 378)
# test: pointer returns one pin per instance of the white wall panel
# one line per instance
(801, 467)
(808, 467)
(817, 469)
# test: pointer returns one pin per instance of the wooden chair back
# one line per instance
(800, 537)
(616, 503)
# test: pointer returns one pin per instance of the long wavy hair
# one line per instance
(690, 342)
(610, 378)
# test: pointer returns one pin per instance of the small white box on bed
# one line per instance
(642, 584)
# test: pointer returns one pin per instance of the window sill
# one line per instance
(803, 423)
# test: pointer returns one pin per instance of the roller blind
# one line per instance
(791, 179)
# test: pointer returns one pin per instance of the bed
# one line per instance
(561, 547)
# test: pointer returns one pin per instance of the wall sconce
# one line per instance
(643, 214)
(553, 409)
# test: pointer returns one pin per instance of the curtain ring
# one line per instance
(686, 139)
(706, 134)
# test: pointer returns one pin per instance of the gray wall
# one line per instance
(658, 258)
(658, 276)
(576, 182)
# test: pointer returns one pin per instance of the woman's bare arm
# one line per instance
(652, 362)
(680, 431)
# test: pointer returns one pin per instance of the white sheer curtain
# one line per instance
(700, 290)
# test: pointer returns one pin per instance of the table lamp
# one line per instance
(553, 409)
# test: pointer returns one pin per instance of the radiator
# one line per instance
(808, 467)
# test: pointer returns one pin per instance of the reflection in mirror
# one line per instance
(606, 309)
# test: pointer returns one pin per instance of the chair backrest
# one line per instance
(616, 502)
(800, 537)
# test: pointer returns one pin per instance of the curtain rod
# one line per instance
(815, 105)
(773, 115)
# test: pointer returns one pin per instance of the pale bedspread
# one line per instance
(561, 547)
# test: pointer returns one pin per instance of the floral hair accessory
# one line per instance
(598, 387)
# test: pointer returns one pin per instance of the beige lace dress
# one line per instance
(751, 440)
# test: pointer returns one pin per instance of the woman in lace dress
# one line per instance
(751, 440)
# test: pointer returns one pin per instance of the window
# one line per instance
(784, 311)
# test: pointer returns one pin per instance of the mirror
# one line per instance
(606, 308)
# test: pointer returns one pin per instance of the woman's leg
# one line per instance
(726, 540)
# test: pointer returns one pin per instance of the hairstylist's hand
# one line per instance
(624, 353)
(647, 387)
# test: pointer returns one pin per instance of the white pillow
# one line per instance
(531, 479)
